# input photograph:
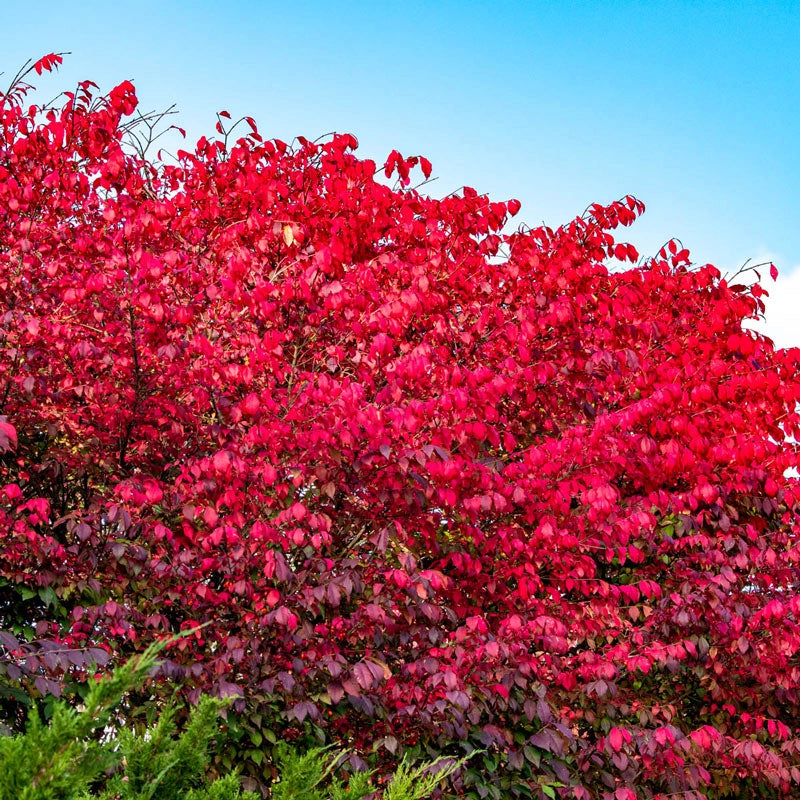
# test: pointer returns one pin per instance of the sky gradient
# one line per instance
(694, 107)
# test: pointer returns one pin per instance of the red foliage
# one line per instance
(427, 481)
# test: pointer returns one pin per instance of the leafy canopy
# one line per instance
(431, 483)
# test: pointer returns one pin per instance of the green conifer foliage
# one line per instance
(73, 756)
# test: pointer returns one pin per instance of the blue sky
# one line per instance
(694, 107)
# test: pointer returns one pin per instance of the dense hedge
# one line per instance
(434, 487)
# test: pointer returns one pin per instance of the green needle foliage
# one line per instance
(163, 766)
(303, 777)
(310, 777)
(416, 783)
(60, 759)
(71, 757)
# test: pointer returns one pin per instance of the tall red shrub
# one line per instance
(427, 482)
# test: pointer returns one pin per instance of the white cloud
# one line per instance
(782, 315)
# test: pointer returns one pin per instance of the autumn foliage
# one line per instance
(433, 486)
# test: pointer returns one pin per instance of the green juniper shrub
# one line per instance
(74, 756)
(71, 756)
(310, 776)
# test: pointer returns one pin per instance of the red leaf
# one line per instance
(48, 63)
(363, 675)
(8, 435)
(335, 692)
(501, 690)
(391, 163)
